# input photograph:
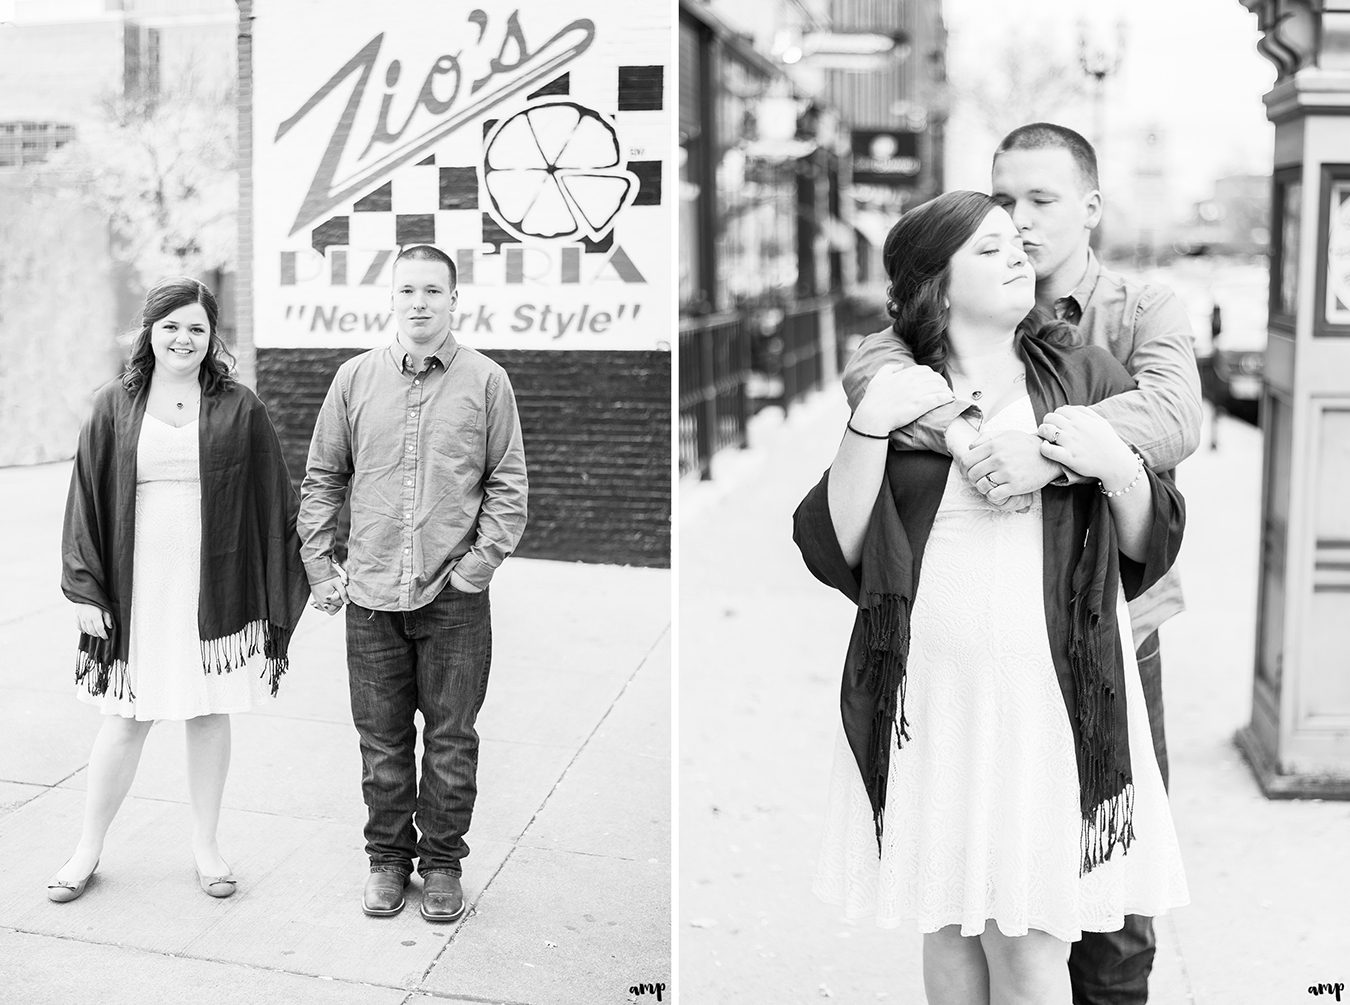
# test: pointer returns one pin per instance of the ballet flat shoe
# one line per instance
(61, 892)
(217, 886)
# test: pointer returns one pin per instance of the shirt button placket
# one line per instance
(409, 485)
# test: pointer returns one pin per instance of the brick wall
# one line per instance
(597, 443)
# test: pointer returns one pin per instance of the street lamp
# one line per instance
(1099, 59)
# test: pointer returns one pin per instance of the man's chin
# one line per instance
(422, 334)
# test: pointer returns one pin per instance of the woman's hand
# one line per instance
(93, 620)
(1081, 440)
(328, 596)
(897, 396)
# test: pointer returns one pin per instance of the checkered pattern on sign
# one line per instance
(641, 88)
(439, 200)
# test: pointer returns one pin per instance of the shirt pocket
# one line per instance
(461, 436)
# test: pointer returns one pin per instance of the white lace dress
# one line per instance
(164, 661)
(982, 817)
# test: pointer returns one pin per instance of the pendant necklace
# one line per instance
(977, 395)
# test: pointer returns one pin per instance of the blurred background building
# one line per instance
(114, 140)
(806, 127)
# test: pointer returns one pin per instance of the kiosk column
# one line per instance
(1298, 740)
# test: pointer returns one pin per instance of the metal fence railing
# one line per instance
(855, 317)
(714, 408)
(802, 366)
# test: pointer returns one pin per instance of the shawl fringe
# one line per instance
(1106, 797)
(886, 623)
(97, 669)
(230, 651)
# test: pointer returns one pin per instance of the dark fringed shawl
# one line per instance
(1082, 571)
(253, 586)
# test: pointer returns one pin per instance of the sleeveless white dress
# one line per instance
(982, 817)
(164, 660)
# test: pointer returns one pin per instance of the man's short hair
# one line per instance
(426, 253)
(1046, 135)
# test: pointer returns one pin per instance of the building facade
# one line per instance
(63, 64)
(806, 128)
(531, 145)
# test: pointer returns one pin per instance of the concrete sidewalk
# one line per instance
(761, 648)
(569, 875)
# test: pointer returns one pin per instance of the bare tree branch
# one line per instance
(1029, 75)
(163, 170)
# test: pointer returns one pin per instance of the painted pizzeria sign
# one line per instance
(555, 171)
(527, 144)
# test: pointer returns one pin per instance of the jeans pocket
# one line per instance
(454, 591)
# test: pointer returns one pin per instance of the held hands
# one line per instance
(328, 596)
(1081, 440)
(93, 620)
(897, 396)
(961, 437)
(1007, 467)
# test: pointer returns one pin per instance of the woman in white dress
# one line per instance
(995, 785)
(181, 558)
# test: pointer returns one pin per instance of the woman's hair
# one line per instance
(917, 257)
(165, 297)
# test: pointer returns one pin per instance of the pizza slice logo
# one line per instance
(554, 172)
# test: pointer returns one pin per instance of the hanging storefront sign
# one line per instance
(887, 157)
(530, 142)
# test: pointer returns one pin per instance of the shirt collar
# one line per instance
(442, 354)
(1076, 300)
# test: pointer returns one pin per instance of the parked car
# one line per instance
(1232, 368)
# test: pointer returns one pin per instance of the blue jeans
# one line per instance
(1112, 968)
(434, 660)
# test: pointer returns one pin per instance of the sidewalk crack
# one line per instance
(516, 841)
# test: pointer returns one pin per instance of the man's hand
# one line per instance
(463, 585)
(93, 620)
(328, 596)
(1009, 464)
(960, 437)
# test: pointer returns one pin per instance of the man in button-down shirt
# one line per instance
(425, 435)
(1046, 177)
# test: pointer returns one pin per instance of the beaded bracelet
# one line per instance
(869, 436)
(1138, 473)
